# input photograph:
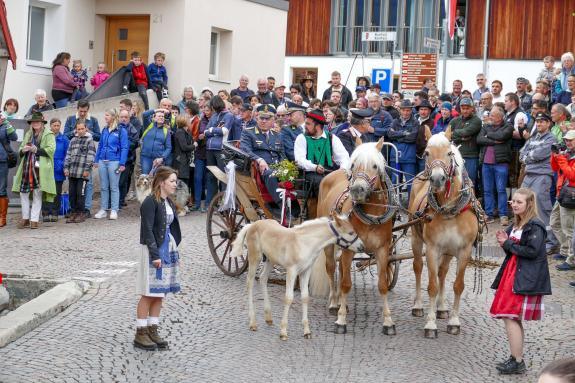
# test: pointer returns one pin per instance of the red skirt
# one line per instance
(507, 304)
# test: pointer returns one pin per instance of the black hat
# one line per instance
(293, 107)
(406, 104)
(424, 104)
(247, 106)
(266, 109)
(361, 113)
(466, 101)
(37, 116)
(542, 116)
(316, 115)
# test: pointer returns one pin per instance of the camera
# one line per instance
(556, 148)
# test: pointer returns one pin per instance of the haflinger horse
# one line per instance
(365, 193)
(444, 192)
(295, 249)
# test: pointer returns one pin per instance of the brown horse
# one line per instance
(445, 193)
(365, 193)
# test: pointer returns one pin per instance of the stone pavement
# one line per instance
(208, 329)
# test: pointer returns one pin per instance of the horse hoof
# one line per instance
(417, 312)
(307, 336)
(254, 327)
(340, 328)
(444, 314)
(453, 329)
(430, 334)
(283, 337)
(389, 330)
(333, 310)
(270, 322)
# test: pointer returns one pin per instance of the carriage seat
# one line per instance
(261, 185)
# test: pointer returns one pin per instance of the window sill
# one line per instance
(36, 67)
(38, 64)
(219, 81)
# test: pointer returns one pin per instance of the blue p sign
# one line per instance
(384, 78)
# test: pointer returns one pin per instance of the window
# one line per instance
(214, 48)
(36, 21)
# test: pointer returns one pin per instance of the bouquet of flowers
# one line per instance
(286, 172)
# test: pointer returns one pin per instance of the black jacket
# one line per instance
(532, 274)
(490, 135)
(183, 148)
(346, 96)
(153, 225)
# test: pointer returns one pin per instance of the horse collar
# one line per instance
(341, 241)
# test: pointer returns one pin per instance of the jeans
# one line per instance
(409, 169)
(471, 167)
(199, 181)
(3, 179)
(109, 182)
(61, 103)
(495, 178)
(89, 193)
(213, 158)
(146, 164)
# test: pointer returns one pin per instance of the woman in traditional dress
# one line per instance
(523, 278)
(159, 262)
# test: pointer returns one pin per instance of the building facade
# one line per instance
(325, 35)
(207, 43)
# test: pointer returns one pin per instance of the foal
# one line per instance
(295, 249)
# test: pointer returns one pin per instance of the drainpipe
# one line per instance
(485, 37)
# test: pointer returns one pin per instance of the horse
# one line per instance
(365, 193)
(295, 249)
(445, 193)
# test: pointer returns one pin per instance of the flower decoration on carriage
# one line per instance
(286, 172)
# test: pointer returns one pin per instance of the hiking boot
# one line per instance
(502, 364)
(23, 224)
(504, 220)
(512, 367)
(155, 337)
(33, 225)
(143, 341)
(79, 218)
(72, 218)
(3, 210)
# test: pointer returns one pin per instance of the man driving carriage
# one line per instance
(317, 151)
(264, 146)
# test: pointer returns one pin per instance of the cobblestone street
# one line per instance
(207, 324)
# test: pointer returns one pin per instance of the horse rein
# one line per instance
(340, 240)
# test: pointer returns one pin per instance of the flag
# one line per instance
(450, 7)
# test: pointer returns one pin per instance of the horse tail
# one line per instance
(319, 280)
(238, 244)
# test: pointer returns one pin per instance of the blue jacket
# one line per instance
(288, 135)
(7, 134)
(563, 98)
(239, 125)
(257, 145)
(91, 124)
(157, 143)
(114, 146)
(62, 143)
(158, 75)
(381, 122)
(404, 134)
(215, 129)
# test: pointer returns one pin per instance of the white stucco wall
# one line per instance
(506, 71)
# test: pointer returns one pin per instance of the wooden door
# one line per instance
(124, 35)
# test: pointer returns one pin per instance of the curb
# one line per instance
(39, 310)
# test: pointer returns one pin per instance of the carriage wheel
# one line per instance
(392, 274)
(221, 229)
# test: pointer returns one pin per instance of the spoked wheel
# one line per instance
(222, 228)
(392, 274)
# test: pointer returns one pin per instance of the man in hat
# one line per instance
(425, 123)
(403, 133)
(242, 122)
(358, 131)
(525, 98)
(336, 84)
(318, 151)
(264, 146)
(387, 101)
(464, 131)
(536, 155)
(279, 92)
(296, 127)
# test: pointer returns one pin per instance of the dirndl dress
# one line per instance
(508, 304)
(154, 282)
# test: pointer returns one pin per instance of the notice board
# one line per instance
(415, 67)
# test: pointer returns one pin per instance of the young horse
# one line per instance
(295, 249)
(370, 214)
(445, 193)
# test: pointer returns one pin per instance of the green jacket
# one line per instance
(464, 132)
(557, 132)
(47, 183)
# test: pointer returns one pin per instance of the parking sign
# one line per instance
(384, 78)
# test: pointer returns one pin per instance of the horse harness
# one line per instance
(341, 241)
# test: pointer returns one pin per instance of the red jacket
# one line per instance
(565, 169)
(140, 75)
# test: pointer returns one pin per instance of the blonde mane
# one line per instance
(440, 140)
(366, 155)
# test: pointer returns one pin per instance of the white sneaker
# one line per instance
(114, 214)
(100, 214)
